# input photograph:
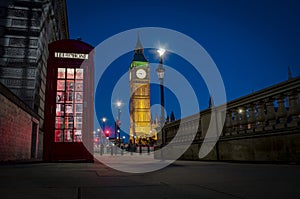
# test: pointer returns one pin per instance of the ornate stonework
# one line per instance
(17, 52)
(24, 13)
(22, 42)
(25, 23)
(30, 73)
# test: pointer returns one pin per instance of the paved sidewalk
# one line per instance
(183, 179)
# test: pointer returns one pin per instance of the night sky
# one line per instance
(251, 42)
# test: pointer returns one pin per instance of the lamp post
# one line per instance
(99, 137)
(134, 137)
(103, 123)
(103, 126)
(95, 136)
(160, 71)
(118, 123)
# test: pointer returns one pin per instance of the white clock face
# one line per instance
(141, 73)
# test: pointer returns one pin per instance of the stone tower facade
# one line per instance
(139, 77)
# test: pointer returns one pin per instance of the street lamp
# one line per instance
(99, 137)
(160, 71)
(100, 134)
(134, 138)
(119, 104)
(103, 125)
(95, 136)
(161, 52)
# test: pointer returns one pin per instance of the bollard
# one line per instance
(140, 148)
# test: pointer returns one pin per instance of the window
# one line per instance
(69, 105)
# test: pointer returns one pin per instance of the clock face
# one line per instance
(141, 73)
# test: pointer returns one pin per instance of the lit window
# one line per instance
(69, 107)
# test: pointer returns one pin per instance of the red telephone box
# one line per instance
(69, 115)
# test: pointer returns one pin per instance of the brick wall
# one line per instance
(16, 128)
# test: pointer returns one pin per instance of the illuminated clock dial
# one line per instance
(141, 73)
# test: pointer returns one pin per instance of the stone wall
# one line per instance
(276, 147)
(18, 128)
(280, 146)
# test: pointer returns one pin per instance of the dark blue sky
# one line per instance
(251, 42)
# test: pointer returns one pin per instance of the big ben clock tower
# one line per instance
(139, 78)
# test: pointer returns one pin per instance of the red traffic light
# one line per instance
(107, 133)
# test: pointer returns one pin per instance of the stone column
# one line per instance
(228, 123)
(243, 120)
(270, 119)
(294, 110)
(251, 119)
(235, 122)
(260, 117)
(281, 113)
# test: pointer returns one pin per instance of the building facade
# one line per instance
(139, 79)
(26, 29)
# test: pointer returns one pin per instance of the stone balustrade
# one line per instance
(273, 109)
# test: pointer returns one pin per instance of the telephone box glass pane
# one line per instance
(79, 85)
(60, 85)
(59, 123)
(69, 109)
(58, 137)
(61, 73)
(78, 126)
(78, 119)
(70, 97)
(70, 85)
(78, 108)
(77, 136)
(60, 109)
(79, 73)
(68, 136)
(69, 123)
(60, 97)
(70, 73)
(79, 97)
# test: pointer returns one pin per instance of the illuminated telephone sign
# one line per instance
(69, 101)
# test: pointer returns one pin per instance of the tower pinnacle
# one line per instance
(138, 43)
(139, 51)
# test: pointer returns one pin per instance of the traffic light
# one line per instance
(107, 133)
